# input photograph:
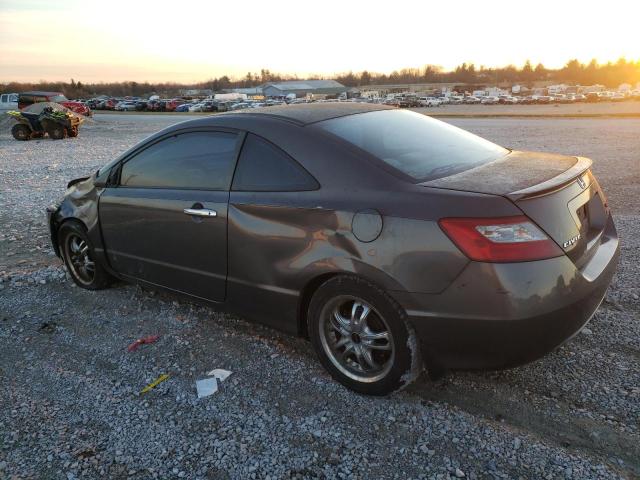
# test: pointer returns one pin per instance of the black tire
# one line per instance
(21, 132)
(73, 131)
(73, 239)
(57, 132)
(393, 361)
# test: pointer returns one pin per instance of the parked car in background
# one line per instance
(225, 106)
(490, 100)
(605, 96)
(471, 100)
(156, 105)
(543, 99)
(209, 106)
(429, 102)
(126, 106)
(93, 103)
(593, 97)
(240, 106)
(108, 104)
(9, 101)
(141, 105)
(171, 105)
(182, 108)
(29, 98)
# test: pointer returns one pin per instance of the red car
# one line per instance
(171, 105)
(29, 98)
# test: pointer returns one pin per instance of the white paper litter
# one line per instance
(207, 386)
(219, 373)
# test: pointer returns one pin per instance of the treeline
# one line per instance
(79, 89)
(610, 74)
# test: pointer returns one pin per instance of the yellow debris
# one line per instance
(155, 383)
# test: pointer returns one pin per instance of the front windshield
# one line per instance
(418, 146)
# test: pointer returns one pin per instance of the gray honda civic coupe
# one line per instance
(393, 241)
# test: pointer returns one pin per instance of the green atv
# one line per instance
(55, 123)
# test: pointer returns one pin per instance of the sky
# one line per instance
(190, 41)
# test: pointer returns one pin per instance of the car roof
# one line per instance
(305, 114)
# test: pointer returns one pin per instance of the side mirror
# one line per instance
(108, 177)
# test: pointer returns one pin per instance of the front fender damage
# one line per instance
(79, 203)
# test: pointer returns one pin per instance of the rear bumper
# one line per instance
(496, 316)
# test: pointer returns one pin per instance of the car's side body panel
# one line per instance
(149, 237)
(277, 248)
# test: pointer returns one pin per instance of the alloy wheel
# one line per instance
(79, 259)
(356, 338)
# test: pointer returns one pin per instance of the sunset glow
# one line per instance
(188, 41)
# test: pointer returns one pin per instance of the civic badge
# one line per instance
(582, 183)
(571, 241)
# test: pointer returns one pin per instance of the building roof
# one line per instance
(248, 91)
(305, 85)
(305, 114)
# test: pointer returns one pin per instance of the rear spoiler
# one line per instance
(553, 184)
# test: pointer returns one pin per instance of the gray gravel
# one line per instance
(69, 390)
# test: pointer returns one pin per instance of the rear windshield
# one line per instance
(418, 146)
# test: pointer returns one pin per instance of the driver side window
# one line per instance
(194, 160)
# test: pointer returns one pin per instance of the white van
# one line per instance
(9, 101)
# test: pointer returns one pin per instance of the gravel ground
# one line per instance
(69, 390)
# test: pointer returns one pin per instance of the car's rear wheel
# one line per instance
(21, 132)
(79, 257)
(362, 337)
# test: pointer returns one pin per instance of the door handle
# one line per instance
(201, 212)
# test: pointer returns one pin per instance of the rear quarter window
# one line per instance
(415, 145)
(263, 167)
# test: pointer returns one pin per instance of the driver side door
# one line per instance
(165, 219)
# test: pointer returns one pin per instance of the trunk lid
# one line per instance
(559, 193)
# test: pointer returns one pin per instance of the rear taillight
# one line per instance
(501, 239)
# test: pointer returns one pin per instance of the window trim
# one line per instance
(117, 168)
(280, 149)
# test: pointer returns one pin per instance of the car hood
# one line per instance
(515, 171)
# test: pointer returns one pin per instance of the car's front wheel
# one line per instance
(362, 337)
(78, 255)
